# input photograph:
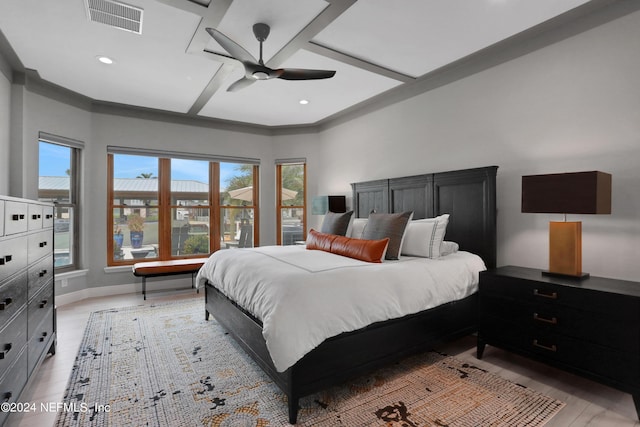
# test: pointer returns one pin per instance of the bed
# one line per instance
(469, 197)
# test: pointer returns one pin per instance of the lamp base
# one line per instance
(565, 248)
(582, 276)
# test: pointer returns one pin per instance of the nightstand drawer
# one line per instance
(591, 327)
(590, 359)
(616, 306)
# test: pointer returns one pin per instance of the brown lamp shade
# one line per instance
(567, 193)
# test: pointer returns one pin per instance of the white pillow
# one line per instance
(356, 228)
(448, 248)
(424, 236)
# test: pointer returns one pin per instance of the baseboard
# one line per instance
(128, 288)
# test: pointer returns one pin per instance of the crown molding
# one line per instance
(569, 24)
(9, 61)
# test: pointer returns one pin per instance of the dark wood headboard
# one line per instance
(468, 196)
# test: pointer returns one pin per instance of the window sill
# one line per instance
(71, 274)
(118, 269)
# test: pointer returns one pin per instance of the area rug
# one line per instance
(164, 365)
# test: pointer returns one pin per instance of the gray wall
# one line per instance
(572, 106)
(36, 107)
(109, 129)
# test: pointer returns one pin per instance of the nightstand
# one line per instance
(589, 327)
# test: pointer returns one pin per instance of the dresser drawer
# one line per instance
(595, 328)
(613, 305)
(41, 340)
(13, 382)
(47, 216)
(13, 256)
(15, 217)
(12, 338)
(571, 353)
(35, 216)
(40, 245)
(40, 307)
(13, 295)
(39, 275)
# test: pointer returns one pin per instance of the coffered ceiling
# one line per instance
(375, 46)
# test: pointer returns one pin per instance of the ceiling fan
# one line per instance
(256, 70)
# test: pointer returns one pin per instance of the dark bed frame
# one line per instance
(469, 196)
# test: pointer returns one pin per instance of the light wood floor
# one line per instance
(588, 403)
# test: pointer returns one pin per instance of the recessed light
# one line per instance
(304, 101)
(105, 60)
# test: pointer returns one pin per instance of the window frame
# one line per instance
(75, 148)
(255, 205)
(165, 205)
(279, 199)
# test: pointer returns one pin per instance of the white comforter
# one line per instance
(305, 296)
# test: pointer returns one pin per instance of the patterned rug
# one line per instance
(165, 365)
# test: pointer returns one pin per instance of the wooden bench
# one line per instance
(167, 268)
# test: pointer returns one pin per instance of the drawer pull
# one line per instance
(552, 347)
(7, 348)
(43, 244)
(552, 295)
(43, 303)
(7, 396)
(44, 334)
(553, 320)
(4, 304)
(42, 273)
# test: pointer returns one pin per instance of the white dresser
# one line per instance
(27, 306)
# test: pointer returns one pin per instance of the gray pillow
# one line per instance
(392, 226)
(336, 223)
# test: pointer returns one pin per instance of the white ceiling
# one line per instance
(174, 65)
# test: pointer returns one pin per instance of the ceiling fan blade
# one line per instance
(240, 84)
(237, 51)
(303, 74)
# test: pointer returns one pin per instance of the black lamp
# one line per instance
(320, 205)
(567, 193)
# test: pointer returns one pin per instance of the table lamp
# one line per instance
(567, 193)
(320, 205)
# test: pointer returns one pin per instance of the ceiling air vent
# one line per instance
(115, 14)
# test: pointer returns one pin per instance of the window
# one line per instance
(190, 207)
(238, 205)
(164, 206)
(291, 187)
(59, 183)
(135, 206)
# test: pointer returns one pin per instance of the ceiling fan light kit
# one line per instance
(255, 69)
